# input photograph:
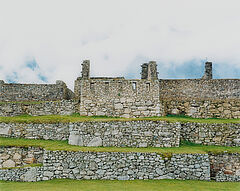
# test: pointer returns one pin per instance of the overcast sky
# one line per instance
(42, 41)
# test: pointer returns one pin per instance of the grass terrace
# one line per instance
(78, 118)
(110, 185)
(185, 147)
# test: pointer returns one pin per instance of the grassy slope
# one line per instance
(77, 118)
(110, 185)
(63, 145)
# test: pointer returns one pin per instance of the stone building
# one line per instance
(150, 96)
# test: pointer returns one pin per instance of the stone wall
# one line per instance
(224, 134)
(125, 134)
(225, 166)
(56, 131)
(141, 133)
(113, 166)
(202, 108)
(63, 107)
(118, 97)
(20, 156)
(35, 92)
(200, 88)
(112, 133)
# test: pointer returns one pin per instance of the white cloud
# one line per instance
(113, 34)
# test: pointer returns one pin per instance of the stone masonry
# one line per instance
(113, 166)
(139, 133)
(199, 98)
(20, 156)
(145, 97)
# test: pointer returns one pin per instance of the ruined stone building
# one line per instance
(145, 97)
(150, 96)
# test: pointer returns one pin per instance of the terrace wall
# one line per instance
(141, 133)
(110, 133)
(34, 92)
(113, 166)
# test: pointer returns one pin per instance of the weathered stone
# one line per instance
(75, 139)
(95, 142)
(17, 156)
(30, 175)
(4, 130)
(8, 164)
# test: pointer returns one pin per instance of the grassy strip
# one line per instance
(63, 145)
(29, 165)
(78, 118)
(26, 102)
(109, 185)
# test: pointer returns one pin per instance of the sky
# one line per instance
(42, 41)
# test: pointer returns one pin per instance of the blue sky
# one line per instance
(42, 41)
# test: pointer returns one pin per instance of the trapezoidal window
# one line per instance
(148, 87)
(92, 86)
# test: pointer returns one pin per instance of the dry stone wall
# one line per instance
(56, 131)
(118, 97)
(34, 92)
(225, 166)
(141, 133)
(120, 165)
(224, 134)
(20, 156)
(113, 166)
(112, 133)
(63, 107)
(125, 134)
(202, 108)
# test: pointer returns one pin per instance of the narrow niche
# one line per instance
(120, 86)
(107, 86)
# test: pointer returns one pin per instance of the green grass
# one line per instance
(114, 185)
(26, 102)
(63, 145)
(28, 165)
(78, 118)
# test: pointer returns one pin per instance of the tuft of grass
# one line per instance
(63, 145)
(78, 118)
(110, 185)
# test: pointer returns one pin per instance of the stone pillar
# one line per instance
(144, 73)
(208, 71)
(152, 71)
(86, 69)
